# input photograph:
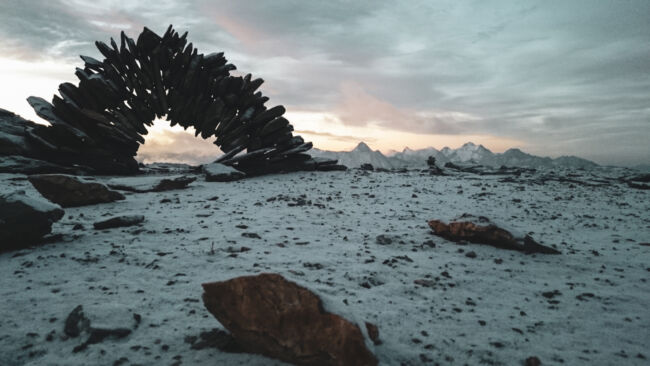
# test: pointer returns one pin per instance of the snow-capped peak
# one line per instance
(362, 147)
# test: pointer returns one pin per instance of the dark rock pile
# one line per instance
(99, 124)
(19, 154)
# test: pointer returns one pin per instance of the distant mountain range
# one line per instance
(468, 154)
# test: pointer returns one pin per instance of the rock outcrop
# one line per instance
(25, 220)
(481, 230)
(70, 191)
(269, 315)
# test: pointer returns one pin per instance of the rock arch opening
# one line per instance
(166, 144)
(101, 122)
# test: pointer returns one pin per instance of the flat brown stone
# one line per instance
(270, 315)
(70, 191)
(480, 230)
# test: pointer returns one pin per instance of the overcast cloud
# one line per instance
(565, 77)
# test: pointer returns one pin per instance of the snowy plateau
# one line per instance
(434, 301)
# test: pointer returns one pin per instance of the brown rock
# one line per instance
(480, 230)
(272, 316)
(70, 191)
(373, 333)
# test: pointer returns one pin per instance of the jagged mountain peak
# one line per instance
(468, 153)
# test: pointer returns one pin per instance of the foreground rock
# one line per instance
(480, 230)
(119, 221)
(70, 191)
(269, 315)
(25, 220)
(151, 184)
(216, 172)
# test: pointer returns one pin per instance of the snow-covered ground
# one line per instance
(431, 302)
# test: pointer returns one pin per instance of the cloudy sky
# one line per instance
(550, 77)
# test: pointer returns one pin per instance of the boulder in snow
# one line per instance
(216, 172)
(70, 191)
(481, 230)
(25, 220)
(269, 315)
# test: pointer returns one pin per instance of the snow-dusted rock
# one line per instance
(70, 191)
(118, 221)
(24, 219)
(481, 230)
(77, 323)
(269, 315)
(216, 172)
(151, 184)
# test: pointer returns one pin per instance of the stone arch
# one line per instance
(100, 122)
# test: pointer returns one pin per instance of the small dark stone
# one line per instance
(119, 221)
(384, 240)
(251, 235)
(551, 294)
(532, 361)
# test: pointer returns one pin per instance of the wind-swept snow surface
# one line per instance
(361, 241)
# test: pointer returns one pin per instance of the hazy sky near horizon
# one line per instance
(550, 77)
